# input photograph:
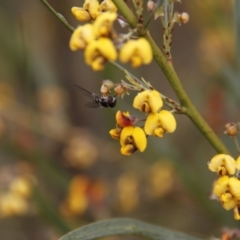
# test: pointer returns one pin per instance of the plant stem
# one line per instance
(237, 30)
(58, 15)
(187, 106)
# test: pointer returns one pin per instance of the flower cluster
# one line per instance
(14, 200)
(157, 123)
(83, 193)
(227, 188)
(99, 40)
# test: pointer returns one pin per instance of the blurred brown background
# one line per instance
(59, 167)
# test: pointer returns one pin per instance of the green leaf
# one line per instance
(125, 226)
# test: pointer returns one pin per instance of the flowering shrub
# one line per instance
(111, 31)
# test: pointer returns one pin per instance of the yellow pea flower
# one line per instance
(228, 201)
(81, 14)
(107, 6)
(98, 52)
(137, 52)
(158, 124)
(234, 187)
(132, 139)
(12, 204)
(221, 186)
(223, 164)
(103, 24)
(115, 133)
(81, 37)
(92, 6)
(148, 101)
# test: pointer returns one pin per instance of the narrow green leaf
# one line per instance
(125, 226)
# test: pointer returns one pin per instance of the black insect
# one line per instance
(98, 101)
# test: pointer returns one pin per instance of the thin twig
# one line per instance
(58, 15)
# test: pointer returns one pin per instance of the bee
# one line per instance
(98, 101)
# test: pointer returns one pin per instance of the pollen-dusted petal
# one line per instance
(167, 121)
(151, 123)
(81, 37)
(234, 187)
(139, 138)
(222, 164)
(108, 6)
(155, 100)
(103, 24)
(93, 7)
(115, 133)
(126, 132)
(81, 14)
(221, 186)
(236, 213)
(128, 149)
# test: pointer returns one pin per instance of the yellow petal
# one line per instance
(126, 132)
(222, 164)
(238, 163)
(167, 121)
(128, 149)
(103, 24)
(155, 100)
(98, 51)
(221, 186)
(81, 14)
(236, 212)
(145, 50)
(234, 187)
(93, 7)
(108, 6)
(115, 133)
(159, 132)
(228, 202)
(151, 123)
(137, 52)
(98, 63)
(140, 140)
(81, 37)
(148, 101)
(127, 51)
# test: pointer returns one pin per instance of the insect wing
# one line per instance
(93, 96)
(84, 91)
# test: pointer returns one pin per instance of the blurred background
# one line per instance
(59, 167)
